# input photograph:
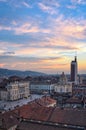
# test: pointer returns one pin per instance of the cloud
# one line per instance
(29, 28)
(31, 63)
(2, 65)
(78, 1)
(26, 4)
(59, 47)
(44, 38)
(60, 34)
(69, 28)
(51, 3)
(24, 28)
(41, 29)
(17, 3)
(71, 6)
(8, 53)
(47, 8)
(9, 45)
(5, 28)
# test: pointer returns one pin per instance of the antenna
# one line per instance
(76, 53)
(75, 56)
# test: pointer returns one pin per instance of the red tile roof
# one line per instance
(46, 101)
(37, 126)
(34, 111)
(69, 116)
(8, 119)
(74, 100)
(65, 116)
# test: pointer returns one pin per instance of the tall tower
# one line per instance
(74, 71)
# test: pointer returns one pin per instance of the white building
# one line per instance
(15, 90)
(63, 86)
(3, 94)
(41, 87)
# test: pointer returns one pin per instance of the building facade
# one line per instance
(3, 94)
(41, 87)
(63, 86)
(15, 90)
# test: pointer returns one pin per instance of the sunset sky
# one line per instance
(42, 35)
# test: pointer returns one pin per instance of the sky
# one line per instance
(43, 35)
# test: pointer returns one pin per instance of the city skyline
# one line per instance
(42, 35)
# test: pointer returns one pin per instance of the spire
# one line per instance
(75, 58)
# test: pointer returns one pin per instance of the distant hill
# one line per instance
(7, 72)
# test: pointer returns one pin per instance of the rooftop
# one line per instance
(34, 111)
(8, 119)
(26, 125)
(40, 113)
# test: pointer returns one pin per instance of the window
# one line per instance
(61, 90)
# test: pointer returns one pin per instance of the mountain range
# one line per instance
(8, 73)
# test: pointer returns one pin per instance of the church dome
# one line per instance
(63, 78)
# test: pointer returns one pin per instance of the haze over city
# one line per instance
(42, 35)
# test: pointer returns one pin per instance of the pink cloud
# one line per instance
(47, 8)
(1, 65)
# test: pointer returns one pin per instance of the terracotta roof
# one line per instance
(69, 116)
(46, 101)
(36, 126)
(34, 111)
(65, 116)
(74, 100)
(8, 119)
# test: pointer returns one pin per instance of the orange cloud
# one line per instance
(1, 65)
